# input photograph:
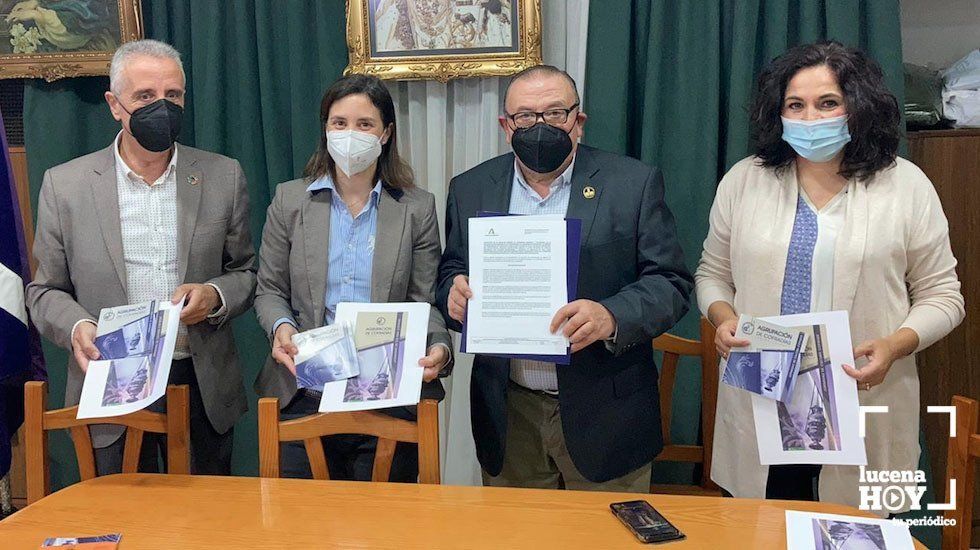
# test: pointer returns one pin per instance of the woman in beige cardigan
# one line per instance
(826, 217)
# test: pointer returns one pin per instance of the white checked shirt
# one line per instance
(148, 219)
(538, 375)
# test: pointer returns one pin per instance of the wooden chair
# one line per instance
(673, 348)
(961, 465)
(38, 421)
(388, 430)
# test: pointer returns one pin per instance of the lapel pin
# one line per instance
(193, 180)
(589, 192)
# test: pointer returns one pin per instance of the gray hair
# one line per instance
(129, 50)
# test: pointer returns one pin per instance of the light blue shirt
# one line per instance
(350, 256)
(538, 375)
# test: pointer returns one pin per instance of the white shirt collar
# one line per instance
(133, 176)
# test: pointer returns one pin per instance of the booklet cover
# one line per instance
(819, 423)
(101, 542)
(813, 531)
(770, 365)
(389, 339)
(136, 345)
(326, 354)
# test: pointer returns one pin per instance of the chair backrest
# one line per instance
(961, 464)
(673, 348)
(388, 430)
(38, 421)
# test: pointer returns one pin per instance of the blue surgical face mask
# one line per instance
(816, 140)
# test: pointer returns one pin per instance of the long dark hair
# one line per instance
(391, 170)
(872, 111)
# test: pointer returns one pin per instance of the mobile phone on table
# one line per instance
(645, 521)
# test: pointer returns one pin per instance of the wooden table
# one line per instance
(190, 512)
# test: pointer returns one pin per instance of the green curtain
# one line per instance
(256, 70)
(670, 82)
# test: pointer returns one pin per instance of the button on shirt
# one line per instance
(148, 220)
(538, 375)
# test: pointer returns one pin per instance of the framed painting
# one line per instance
(442, 39)
(54, 39)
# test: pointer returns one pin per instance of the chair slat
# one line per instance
(131, 452)
(82, 440)
(36, 441)
(141, 420)
(361, 422)
(384, 454)
(318, 460)
(428, 423)
(269, 437)
(668, 377)
(178, 430)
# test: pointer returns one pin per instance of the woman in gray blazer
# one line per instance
(355, 228)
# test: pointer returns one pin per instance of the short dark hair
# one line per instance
(872, 111)
(542, 70)
(391, 169)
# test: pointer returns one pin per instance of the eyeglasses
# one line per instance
(554, 117)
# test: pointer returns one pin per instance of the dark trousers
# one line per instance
(793, 482)
(210, 451)
(349, 457)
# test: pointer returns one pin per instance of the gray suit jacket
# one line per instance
(292, 277)
(80, 268)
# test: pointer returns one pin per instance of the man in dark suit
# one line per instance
(593, 424)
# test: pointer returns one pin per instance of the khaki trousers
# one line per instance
(536, 456)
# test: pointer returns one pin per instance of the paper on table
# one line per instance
(136, 345)
(101, 542)
(819, 424)
(519, 278)
(813, 531)
(390, 339)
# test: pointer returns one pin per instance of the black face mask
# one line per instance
(155, 126)
(541, 147)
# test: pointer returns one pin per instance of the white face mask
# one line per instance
(354, 152)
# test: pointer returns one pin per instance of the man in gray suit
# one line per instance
(149, 219)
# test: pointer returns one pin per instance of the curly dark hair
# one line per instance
(872, 111)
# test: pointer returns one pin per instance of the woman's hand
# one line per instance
(725, 337)
(881, 354)
(437, 357)
(283, 349)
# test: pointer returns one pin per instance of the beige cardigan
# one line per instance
(893, 268)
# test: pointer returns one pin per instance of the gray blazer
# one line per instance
(80, 268)
(292, 278)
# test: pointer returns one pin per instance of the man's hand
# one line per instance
(588, 322)
(200, 301)
(458, 296)
(83, 345)
(433, 362)
(283, 349)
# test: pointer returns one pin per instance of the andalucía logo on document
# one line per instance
(895, 491)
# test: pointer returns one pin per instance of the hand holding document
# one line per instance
(813, 531)
(325, 354)
(389, 339)
(768, 367)
(136, 345)
(523, 269)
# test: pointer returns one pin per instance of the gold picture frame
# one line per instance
(38, 42)
(442, 39)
